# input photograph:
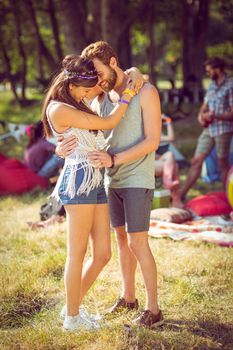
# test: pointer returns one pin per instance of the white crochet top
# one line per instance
(86, 142)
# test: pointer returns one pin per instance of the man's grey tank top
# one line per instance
(129, 132)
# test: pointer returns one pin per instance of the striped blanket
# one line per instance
(210, 229)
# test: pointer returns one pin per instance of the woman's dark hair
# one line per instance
(76, 70)
(35, 133)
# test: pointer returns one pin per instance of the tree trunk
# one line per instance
(108, 21)
(124, 50)
(8, 68)
(151, 50)
(195, 23)
(43, 51)
(55, 29)
(94, 22)
(115, 15)
(22, 52)
(74, 16)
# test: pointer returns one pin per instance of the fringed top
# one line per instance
(87, 142)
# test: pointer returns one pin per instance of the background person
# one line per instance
(216, 117)
(40, 152)
(166, 166)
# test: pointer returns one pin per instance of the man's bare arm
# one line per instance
(151, 112)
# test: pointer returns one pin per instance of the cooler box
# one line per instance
(161, 199)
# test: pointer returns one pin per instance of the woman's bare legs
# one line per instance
(100, 242)
(79, 222)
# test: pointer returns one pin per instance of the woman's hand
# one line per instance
(136, 78)
(100, 159)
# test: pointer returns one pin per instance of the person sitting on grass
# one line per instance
(39, 154)
(166, 166)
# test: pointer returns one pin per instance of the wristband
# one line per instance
(168, 120)
(124, 101)
(130, 92)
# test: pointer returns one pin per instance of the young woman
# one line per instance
(80, 186)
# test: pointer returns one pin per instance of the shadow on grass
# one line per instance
(217, 332)
(16, 312)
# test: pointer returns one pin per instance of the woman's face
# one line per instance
(79, 92)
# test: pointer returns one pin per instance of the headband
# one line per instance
(80, 75)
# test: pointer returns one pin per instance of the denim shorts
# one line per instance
(95, 196)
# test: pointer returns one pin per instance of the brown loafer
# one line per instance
(148, 319)
(121, 304)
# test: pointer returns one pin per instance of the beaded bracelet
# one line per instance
(124, 101)
(130, 92)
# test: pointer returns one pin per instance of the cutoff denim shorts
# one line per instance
(95, 196)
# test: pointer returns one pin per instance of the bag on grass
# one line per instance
(52, 207)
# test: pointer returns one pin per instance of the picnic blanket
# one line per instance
(211, 229)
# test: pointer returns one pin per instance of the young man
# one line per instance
(216, 116)
(130, 169)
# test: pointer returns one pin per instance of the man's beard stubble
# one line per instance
(109, 83)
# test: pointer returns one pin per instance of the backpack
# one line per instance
(52, 207)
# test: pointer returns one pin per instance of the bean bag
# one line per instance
(16, 178)
(2, 158)
(213, 203)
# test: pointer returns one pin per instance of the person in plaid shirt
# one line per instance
(216, 117)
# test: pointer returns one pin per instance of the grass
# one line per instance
(195, 279)
(195, 290)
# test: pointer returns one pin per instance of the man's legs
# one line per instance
(193, 174)
(128, 264)
(139, 245)
(204, 145)
(223, 143)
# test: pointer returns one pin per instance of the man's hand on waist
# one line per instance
(66, 146)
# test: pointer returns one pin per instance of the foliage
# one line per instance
(47, 33)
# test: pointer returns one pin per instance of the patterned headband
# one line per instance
(80, 75)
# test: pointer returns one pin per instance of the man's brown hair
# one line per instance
(215, 62)
(100, 50)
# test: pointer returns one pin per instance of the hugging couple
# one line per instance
(117, 133)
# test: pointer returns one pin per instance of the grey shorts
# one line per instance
(221, 142)
(130, 207)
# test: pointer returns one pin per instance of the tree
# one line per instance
(194, 33)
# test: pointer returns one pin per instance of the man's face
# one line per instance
(213, 73)
(107, 75)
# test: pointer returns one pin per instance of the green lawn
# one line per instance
(195, 278)
(195, 291)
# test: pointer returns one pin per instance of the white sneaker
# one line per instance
(73, 323)
(82, 312)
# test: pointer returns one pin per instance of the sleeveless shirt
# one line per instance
(138, 173)
(87, 142)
